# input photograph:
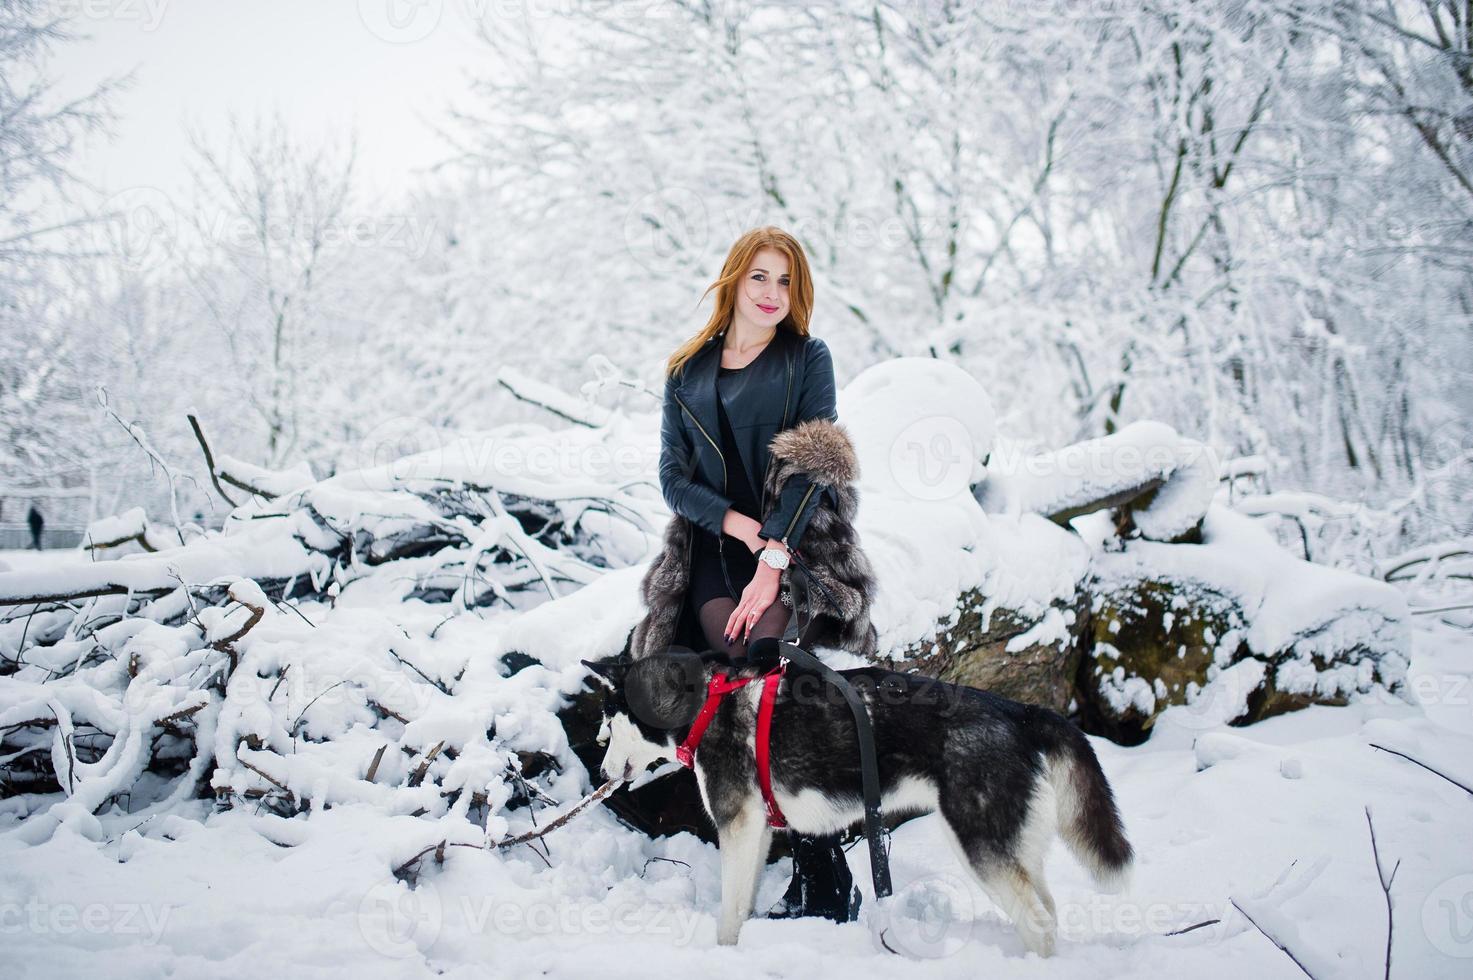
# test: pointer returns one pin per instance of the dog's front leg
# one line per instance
(744, 842)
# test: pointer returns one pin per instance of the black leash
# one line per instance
(874, 828)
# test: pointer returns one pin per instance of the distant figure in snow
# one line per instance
(37, 522)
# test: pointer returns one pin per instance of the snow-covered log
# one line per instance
(332, 643)
(1236, 628)
(1160, 480)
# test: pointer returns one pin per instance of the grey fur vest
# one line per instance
(829, 549)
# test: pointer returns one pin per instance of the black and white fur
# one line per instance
(1005, 776)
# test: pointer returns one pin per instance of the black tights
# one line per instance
(716, 612)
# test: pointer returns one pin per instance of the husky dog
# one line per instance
(1004, 776)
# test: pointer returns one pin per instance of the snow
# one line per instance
(130, 523)
(319, 690)
(275, 482)
(923, 427)
(259, 550)
(1296, 614)
(1271, 816)
(1056, 481)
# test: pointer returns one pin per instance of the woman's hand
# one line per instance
(760, 593)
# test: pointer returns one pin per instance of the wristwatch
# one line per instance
(774, 557)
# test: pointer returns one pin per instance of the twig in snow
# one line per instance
(256, 613)
(373, 766)
(427, 677)
(671, 860)
(1424, 766)
(418, 776)
(1386, 881)
(594, 797)
(209, 459)
(314, 701)
(1271, 939)
(1192, 928)
(278, 682)
(155, 458)
(287, 605)
(260, 772)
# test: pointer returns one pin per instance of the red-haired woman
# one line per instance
(759, 478)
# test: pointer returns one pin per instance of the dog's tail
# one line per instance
(1089, 822)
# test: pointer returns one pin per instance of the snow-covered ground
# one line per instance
(1272, 816)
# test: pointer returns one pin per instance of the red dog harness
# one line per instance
(719, 686)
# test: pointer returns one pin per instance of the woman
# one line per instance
(749, 397)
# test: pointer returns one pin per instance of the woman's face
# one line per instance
(762, 294)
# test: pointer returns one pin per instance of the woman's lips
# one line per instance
(767, 309)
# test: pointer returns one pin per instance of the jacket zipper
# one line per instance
(786, 395)
(808, 493)
(720, 538)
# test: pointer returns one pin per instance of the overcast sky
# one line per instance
(382, 65)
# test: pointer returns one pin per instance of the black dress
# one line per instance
(706, 580)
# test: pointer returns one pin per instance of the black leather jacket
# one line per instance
(791, 381)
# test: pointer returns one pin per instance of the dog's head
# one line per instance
(647, 703)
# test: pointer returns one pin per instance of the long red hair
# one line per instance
(800, 289)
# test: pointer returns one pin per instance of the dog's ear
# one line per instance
(667, 690)
(611, 672)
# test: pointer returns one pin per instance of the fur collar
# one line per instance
(819, 447)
